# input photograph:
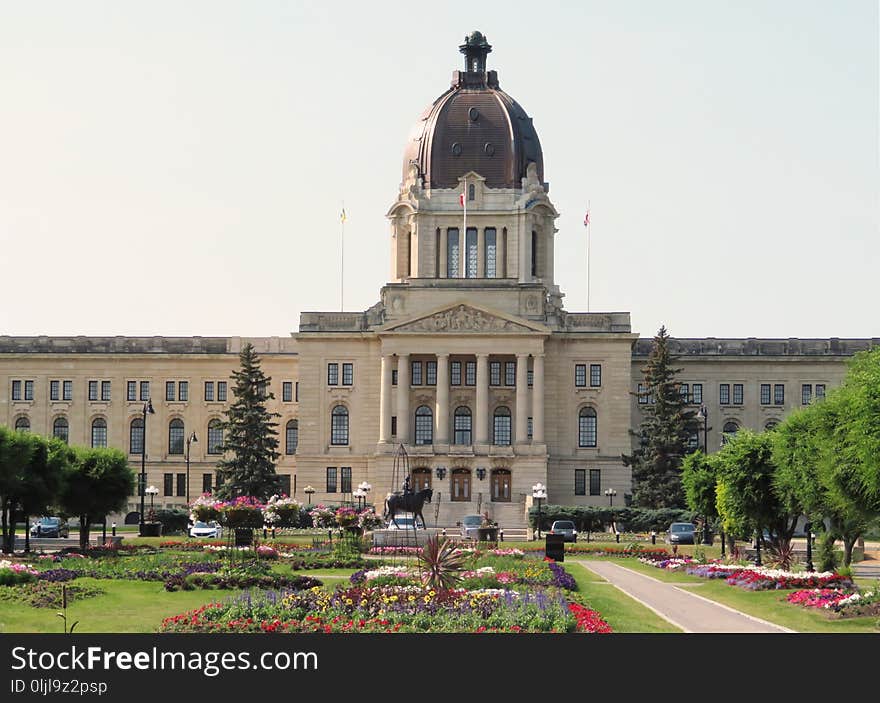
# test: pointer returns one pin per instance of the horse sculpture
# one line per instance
(408, 503)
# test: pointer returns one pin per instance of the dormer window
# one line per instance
(472, 192)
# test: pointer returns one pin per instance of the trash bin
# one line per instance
(554, 547)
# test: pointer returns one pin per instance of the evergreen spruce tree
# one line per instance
(250, 439)
(665, 434)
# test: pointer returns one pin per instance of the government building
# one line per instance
(468, 359)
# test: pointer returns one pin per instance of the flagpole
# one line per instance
(588, 255)
(462, 241)
(342, 260)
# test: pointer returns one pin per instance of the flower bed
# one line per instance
(842, 603)
(224, 581)
(667, 563)
(12, 573)
(817, 597)
(757, 578)
(43, 594)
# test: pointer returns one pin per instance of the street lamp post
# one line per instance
(610, 492)
(142, 481)
(189, 440)
(808, 530)
(703, 414)
(757, 548)
(358, 493)
(308, 490)
(152, 491)
(366, 488)
(539, 493)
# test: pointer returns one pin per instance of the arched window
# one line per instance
(730, 428)
(771, 424)
(339, 425)
(501, 426)
(461, 484)
(501, 485)
(175, 436)
(136, 436)
(462, 426)
(421, 479)
(424, 425)
(23, 424)
(291, 437)
(588, 426)
(61, 429)
(99, 432)
(472, 192)
(215, 437)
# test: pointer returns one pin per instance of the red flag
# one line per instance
(461, 199)
(587, 219)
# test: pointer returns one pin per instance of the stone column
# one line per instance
(444, 250)
(522, 399)
(481, 406)
(403, 399)
(481, 252)
(538, 400)
(385, 400)
(441, 407)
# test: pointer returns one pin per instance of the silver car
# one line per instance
(566, 529)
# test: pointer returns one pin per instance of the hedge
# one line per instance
(595, 519)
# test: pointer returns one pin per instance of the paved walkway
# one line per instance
(690, 612)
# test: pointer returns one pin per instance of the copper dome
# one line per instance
(473, 126)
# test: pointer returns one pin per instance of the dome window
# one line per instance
(474, 114)
(456, 149)
(489, 149)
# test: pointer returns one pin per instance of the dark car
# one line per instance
(565, 528)
(50, 527)
(681, 533)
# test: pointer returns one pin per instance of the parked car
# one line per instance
(566, 529)
(469, 526)
(681, 533)
(50, 527)
(205, 529)
(405, 521)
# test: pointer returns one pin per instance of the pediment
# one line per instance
(462, 318)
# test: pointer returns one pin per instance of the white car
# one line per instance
(205, 529)
(405, 521)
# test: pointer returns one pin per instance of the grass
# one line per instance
(617, 609)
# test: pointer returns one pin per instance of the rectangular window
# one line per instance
(145, 390)
(737, 393)
(393, 377)
(530, 378)
(219, 480)
(345, 479)
(16, 390)
(534, 253)
(416, 373)
(491, 253)
(580, 482)
(595, 375)
(67, 390)
(169, 390)
(54, 390)
(183, 390)
(221, 391)
(452, 252)
(820, 391)
(206, 483)
(209, 391)
(724, 394)
(684, 392)
(595, 481)
(494, 373)
(168, 481)
(431, 373)
(287, 391)
(806, 394)
(131, 391)
(347, 374)
(470, 373)
(105, 390)
(698, 393)
(510, 373)
(331, 479)
(529, 428)
(471, 249)
(643, 397)
(580, 375)
(285, 484)
(394, 425)
(93, 390)
(779, 394)
(765, 394)
(332, 374)
(28, 390)
(181, 485)
(455, 373)
(296, 392)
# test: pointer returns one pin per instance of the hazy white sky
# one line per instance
(177, 167)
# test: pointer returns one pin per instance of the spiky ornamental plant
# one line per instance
(441, 562)
(664, 435)
(250, 439)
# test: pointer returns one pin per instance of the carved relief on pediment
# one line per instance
(462, 318)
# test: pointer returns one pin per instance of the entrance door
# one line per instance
(501, 485)
(461, 484)
(421, 479)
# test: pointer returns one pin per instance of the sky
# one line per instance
(178, 168)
